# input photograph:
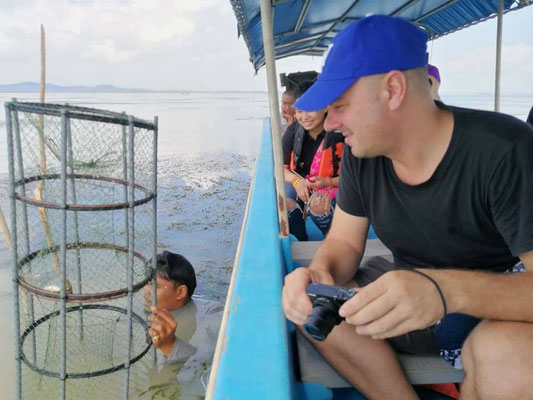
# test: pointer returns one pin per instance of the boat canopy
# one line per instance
(306, 27)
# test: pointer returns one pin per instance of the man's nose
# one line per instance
(332, 122)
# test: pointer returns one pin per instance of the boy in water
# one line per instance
(184, 329)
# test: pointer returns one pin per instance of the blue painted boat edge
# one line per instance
(253, 361)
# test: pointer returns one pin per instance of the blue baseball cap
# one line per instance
(370, 46)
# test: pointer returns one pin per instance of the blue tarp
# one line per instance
(308, 26)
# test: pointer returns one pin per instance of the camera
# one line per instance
(326, 300)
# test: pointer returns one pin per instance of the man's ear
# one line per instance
(395, 89)
(181, 292)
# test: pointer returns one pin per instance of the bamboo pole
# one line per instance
(275, 121)
(5, 230)
(42, 167)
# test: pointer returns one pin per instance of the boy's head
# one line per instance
(287, 102)
(176, 281)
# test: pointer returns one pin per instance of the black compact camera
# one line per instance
(326, 300)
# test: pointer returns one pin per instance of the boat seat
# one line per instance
(419, 369)
(303, 252)
(313, 368)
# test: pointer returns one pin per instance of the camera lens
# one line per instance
(324, 317)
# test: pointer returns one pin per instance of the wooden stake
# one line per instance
(42, 149)
(5, 231)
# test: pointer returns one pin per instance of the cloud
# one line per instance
(107, 51)
(88, 40)
(475, 71)
(192, 44)
(157, 34)
(467, 59)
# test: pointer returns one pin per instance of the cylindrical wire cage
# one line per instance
(83, 187)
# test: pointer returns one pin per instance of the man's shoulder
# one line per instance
(491, 128)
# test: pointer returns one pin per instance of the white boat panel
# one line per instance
(303, 252)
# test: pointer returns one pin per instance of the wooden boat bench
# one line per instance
(313, 368)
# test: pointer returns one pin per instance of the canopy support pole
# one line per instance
(275, 120)
(498, 56)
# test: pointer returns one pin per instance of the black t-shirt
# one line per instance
(309, 148)
(475, 212)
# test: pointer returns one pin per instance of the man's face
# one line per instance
(167, 293)
(287, 104)
(357, 113)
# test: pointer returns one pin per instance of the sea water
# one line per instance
(207, 148)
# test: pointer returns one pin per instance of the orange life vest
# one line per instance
(331, 152)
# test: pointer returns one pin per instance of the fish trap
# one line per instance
(83, 213)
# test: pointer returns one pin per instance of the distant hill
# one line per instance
(30, 87)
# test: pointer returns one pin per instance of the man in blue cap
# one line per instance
(448, 191)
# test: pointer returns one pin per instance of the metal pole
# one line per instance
(154, 218)
(131, 236)
(270, 62)
(498, 56)
(11, 169)
(29, 297)
(125, 176)
(76, 224)
(63, 254)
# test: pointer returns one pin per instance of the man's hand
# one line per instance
(302, 190)
(296, 303)
(396, 303)
(162, 330)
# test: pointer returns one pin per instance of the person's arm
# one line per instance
(180, 352)
(487, 295)
(335, 262)
(289, 175)
(298, 182)
(402, 301)
(341, 252)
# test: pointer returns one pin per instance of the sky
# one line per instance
(193, 45)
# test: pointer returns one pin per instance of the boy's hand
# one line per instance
(163, 329)
(289, 118)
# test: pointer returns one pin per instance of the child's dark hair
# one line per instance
(176, 268)
(290, 92)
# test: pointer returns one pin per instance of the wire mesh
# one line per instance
(96, 347)
(84, 188)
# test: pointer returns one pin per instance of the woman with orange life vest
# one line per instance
(312, 165)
